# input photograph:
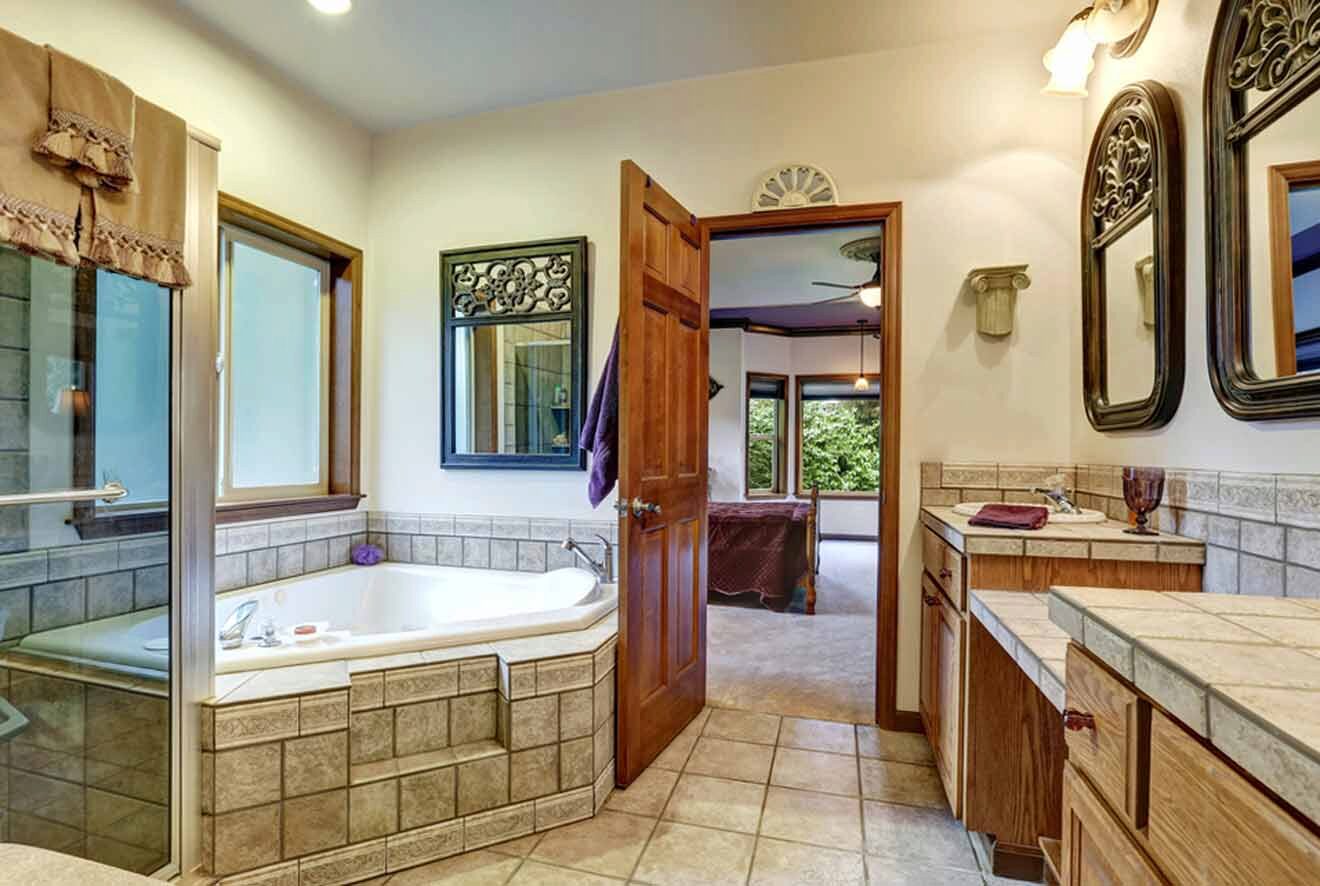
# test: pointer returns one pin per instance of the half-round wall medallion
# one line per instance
(794, 186)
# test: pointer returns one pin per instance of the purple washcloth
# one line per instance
(367, 555)
(600, 430)
(1011, 517)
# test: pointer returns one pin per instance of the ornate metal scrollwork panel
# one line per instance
(1125, 175)
(524, 285)
(1278, 39)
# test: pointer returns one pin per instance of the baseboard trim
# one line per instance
(843, 536)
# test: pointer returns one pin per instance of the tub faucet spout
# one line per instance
(234, 629)
(604, 570)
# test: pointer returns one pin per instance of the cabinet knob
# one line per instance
(930, 600)
(946, 573)
(1076, 721)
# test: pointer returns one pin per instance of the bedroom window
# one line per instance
(838, 434)
(767, 437)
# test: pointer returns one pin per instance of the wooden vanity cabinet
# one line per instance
(1097, 849)
(943, 654)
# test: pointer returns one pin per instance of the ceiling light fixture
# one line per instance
(1119, 24)
(331, 7)
(861, 384)
(872, 293)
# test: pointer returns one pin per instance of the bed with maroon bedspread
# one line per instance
(758, 548)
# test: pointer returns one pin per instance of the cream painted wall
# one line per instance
(282, 149)
(1201, 434)
(726, 416)
(986, 167)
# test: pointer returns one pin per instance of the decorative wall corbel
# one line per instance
(996, 291)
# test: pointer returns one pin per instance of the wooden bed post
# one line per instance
(813, 549)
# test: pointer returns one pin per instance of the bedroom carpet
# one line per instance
(820, 666)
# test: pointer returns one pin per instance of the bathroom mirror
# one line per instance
(1263, 205)
(513, 340)
(1133, 286)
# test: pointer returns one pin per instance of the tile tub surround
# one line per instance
(350, 770)
(254, 553)
(1095, 541)
(1020, 622)
(1241, 672)
(89, 775)
(525, 544)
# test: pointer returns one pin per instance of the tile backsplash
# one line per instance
(1262, 531)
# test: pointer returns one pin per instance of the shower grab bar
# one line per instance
(111, 491)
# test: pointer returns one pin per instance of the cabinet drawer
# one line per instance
(945, 565)
(1109, 746)
(1097, 848)
(1209, 825)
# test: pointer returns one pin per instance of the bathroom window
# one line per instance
(767, 435)
(838, 434)
(288, 389)
(274, 369)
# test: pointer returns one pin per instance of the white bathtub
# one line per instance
(370, 611)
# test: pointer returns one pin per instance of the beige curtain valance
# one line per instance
(89, 173)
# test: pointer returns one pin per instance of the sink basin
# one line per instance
(1084, 515)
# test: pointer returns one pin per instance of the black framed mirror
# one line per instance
(1262, 114)
(513, 340)
(1134, 264)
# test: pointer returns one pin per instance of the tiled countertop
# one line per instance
(41, 867)
(1095, 541)
(1243, 672)
(1021, 623)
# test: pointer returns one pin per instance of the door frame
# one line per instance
(887, 713)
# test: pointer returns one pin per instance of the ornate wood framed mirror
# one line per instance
(1263, 208)
(1133, 263)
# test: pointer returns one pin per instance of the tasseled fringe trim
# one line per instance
(37, 230)
(122, 249)
(101, 157)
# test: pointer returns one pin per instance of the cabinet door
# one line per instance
(1097, 850)
(930, 663)
(951, 642)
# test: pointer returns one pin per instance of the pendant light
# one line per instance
(861, 384)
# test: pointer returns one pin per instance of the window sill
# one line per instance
(244, 511)
(762, 496)
(843, 496)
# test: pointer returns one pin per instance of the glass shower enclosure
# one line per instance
(85, 563)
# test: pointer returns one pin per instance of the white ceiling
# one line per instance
(778, 269)
(393, 63)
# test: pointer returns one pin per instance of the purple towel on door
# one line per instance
(600, 430)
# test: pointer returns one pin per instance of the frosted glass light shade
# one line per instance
(871, 295)
(331, 7)
(861, 384)
(1071, 61)
(1112, 21)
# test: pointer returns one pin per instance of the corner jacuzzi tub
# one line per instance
(363, 611)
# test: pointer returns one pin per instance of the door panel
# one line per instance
(663, 343)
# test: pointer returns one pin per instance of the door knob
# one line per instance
(638, 507)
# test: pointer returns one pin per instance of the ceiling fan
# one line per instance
(868, 249)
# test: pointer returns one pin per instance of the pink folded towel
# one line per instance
(1012, 517)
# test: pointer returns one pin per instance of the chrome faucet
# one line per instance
(1056, 493)
(604, 570)
(234, 629)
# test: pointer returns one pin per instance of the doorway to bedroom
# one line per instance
(796, 464)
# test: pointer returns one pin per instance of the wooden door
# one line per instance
(1097, 850)
(663, 357)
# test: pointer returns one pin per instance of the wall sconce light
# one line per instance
(73, 401)
(996, 296)
(1119, 24)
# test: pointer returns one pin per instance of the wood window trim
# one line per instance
(834, 495)
(345, 456)
(1282, 179)
(781, 443)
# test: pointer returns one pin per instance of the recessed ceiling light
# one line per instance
(332, 7)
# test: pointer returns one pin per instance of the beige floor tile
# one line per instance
(742, 726)
(903, 747)
(536, 874)
(792, 864)
(520, 847)
(608, 844)
(808, 817)
(817, 735)
(480, 868)
(740, 760)
(887, 872)
(716, 803)
(911, 834)
(815, 771)
(647, 795)
(907, 783)
(676, 755)
(693, 729)
(684, 855)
